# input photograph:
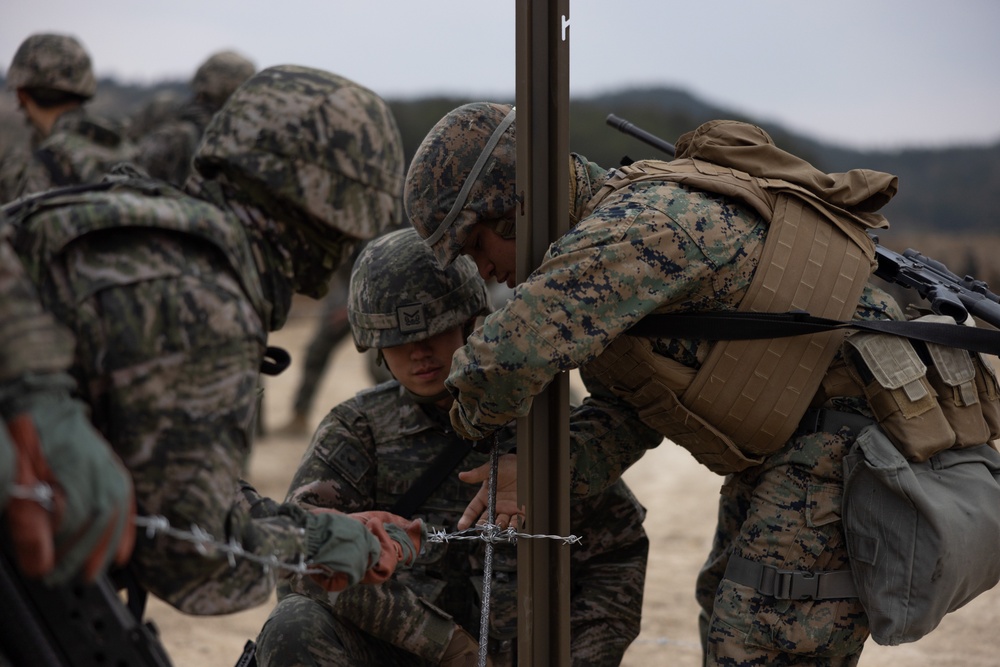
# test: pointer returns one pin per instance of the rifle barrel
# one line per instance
(631, 129)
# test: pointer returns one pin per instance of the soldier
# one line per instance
(165, 152)
(734, 223)
(171, 294)
(372, 453)
(52, 77)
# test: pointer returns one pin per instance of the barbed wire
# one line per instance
(203, 541)
(493, 533)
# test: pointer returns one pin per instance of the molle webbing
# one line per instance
(816, 258)
(755, 391)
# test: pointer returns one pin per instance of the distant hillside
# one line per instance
(947, 190)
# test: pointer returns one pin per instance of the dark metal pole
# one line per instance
(542, 98)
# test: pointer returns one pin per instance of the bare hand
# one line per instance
(508, 513)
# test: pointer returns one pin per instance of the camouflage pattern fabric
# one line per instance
(166, 151)
(168, 356)
(367, 452)
(659, 247)
(80, 149)
(219, 76)
(653, 247)
(58, 62)
(171, 296)
(442, 165)
(30, 339)
(347, 171)
(167, 147)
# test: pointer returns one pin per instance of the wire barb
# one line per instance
(233, 549)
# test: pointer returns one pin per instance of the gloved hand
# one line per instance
(462, 650)
(399, 538)
(338, 544)
(463, 427)
(90, 521)
(364, 547)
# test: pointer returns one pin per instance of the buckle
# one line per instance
(789, 584)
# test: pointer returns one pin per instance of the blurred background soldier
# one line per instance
(53, 79)
(391, 448)
(171, 296)
(166, 149)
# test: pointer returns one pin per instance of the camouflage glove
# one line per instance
(337, 544)
(399, 538)
(462, 650)
(88, 522)
(463, 427)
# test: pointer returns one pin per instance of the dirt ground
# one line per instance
(680, 498)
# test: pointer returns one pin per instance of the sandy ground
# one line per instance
(678, 493)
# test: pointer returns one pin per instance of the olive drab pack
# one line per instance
(741, 404)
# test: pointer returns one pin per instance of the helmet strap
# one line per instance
(470, 180)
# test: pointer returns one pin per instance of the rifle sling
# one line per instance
(720, 325)
(435, 474)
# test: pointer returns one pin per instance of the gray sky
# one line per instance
(861, 73)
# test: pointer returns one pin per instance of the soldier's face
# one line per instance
(422, 367)
(493, 254)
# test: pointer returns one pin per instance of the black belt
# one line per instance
(823, 420)
(791, 584)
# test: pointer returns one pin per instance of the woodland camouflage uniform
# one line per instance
(370, 450)
(166, 151)
(653, 246)
(171, 295)
(80, 147)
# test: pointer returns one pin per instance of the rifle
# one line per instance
(74, 625)
(947, 293)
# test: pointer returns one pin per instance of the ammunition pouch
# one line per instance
(927, 398)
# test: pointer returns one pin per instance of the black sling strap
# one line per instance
(439, 469)
(721, 325)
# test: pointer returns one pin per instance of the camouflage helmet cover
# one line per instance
(56, 62)
(313, 142)
(400, 294)
(462, 173)
(217, 78)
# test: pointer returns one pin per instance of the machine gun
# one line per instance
(947, 293)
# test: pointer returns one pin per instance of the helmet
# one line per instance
(400, 294)
(56, 62)
(321, 149)
(217, 78)
(463, 173)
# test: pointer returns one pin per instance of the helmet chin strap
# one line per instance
(477, 168)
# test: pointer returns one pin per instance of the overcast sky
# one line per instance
(861, 73)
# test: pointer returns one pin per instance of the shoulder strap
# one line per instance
(435, 474)
(721, 325)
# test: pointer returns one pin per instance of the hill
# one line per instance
(946, 190)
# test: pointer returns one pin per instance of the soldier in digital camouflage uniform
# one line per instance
(640, 244)
(53, 79)
(165, 152)
(371, 449)
(170, 295)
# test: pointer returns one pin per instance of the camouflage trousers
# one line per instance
(784, 513)
(302, 632)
